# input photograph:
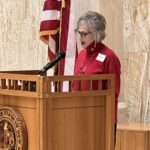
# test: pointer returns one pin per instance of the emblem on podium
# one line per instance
(13, 132)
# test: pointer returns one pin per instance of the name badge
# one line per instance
(101, 57)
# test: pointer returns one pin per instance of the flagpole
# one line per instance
(58, 36)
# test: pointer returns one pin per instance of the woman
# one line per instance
(95, 58)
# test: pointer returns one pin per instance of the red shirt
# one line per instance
(98, 59)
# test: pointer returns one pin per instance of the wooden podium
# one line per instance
(57, 119)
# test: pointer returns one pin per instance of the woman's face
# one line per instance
(85, 35)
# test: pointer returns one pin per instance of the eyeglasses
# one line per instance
(82, 34)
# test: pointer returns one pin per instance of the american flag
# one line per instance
(57, 29)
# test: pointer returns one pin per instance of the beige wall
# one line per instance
(136, 58)
(20, 46)
(127, 33)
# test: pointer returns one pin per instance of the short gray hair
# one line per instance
(96, 24)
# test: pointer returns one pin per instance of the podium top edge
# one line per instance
(59, 78)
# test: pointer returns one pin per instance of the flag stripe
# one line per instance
(52, 5)
(71, 46)
(51, 15)
(52, 43)
(51, 55)
(49, 25)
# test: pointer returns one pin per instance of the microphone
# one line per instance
(51, 63)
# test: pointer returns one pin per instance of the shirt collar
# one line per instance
(94, 47)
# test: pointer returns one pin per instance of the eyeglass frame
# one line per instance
(82, 34)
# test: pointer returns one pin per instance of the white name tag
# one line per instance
(101, 57)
